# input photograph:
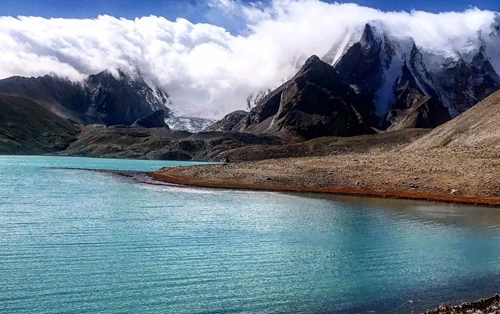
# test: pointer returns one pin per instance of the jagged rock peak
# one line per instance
(318, 72)
(368, 37)
(314, 103)
(314, 59)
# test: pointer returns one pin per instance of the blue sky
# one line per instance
(197, 10)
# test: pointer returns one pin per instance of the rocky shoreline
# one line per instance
(438, 176)
(482, 306)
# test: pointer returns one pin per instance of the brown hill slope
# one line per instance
(28, 128)
(458, 161)
(477, 128)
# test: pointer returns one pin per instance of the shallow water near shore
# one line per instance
(90, 242)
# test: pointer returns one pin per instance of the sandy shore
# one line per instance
(471, 177)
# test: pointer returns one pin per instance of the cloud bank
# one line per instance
(206, 69)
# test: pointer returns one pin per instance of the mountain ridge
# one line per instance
(102, 98)
(477, 128)
(398, 83)
(373, 57)
(28, 128)
(315, 102)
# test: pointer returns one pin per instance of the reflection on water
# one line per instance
(83, 241)
(426, 211)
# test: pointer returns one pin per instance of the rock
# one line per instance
(374, 60)
(314, 103)
(105, 98)
(413, 108)
(121, 99)
(482, 306)
(465, 83)
(363, 62)
(154, 120)
(231, 122)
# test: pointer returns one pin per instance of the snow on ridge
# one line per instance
(385, 95)
(492, 48)
(427, 61)
(190, 124)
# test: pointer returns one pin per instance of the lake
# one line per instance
(76, 241)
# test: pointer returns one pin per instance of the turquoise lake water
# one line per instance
(74, 241)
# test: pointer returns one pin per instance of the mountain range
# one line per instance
(103, 98)
(385, 81)
(370, 81)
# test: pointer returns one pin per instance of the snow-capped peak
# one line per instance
(461, 73)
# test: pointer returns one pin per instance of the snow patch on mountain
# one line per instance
(460, 73)
(190, 124)
(492, 45)
(352, 36)
(384, 97)
(157, 97)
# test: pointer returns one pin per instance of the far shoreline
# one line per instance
(181, 181)
(394, 194)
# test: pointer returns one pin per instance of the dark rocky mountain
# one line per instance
(412, 108)
(154, 120)
(315, 102)
(28, 128)
(392, 74)
(58, 95)
(232, 121)
(363, 63)
(478, 129)
(462, 83)
(161, 143)
(387, 82)
(378, 62)
(102, 98)
(121, 100)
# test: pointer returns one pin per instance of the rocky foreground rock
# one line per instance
(482, 306)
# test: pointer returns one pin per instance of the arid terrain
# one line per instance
(434, 166)
(440, 175)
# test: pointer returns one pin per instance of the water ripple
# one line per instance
(87, 242)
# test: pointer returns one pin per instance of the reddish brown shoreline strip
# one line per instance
(229, 184)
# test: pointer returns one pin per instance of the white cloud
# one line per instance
(204, 67)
